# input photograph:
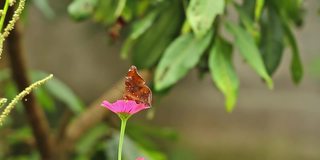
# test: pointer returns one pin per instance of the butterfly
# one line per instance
(136, 88)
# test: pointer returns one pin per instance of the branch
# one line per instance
(35, 114)
(92, 116)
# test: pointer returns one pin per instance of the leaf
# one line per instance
(148, 49)
(120, 6)
(248, 6)
(45, 99)
(201, 14)
(11, 91)
(104, 12)
(144, 134)
(223, 72)
(249, 51)
(85, 145)
(131, 150)
(271, 44)
(138, 29)
(247, 22)
(45, 8)
(296, 65)
(62, 92)
(290, 9)
(258, 9)
(182, 55)
(81, 9)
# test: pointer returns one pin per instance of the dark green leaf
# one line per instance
(138, 29)
(201, 14)
(104, 12)
(181, 56)
(296, 65)
(271, 44)
(249, 51)
(248, 7)
(290, 9)
(247, 22)
(223, 73)
(148, 49)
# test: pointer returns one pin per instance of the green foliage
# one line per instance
(223, 72)
(201, 14)
(53, 91)
(249, 51)
(168, 36)
(182, 55)
(272, 42)
(63, 93)
(148, 49)
(296, 65)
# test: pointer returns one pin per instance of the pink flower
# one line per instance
(140, 158)
(124, 107)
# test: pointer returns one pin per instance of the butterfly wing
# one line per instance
(136, 88)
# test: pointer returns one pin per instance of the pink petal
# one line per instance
(124, 106)
(140, 158)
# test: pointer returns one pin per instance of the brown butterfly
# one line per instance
(136, 88)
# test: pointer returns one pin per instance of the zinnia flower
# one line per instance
(124, 107)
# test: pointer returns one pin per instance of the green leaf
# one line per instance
(248, 6)
(247, 22)
(23, 133)
(81, 9)
(290, 9)
(249, 51)
(62, 92)
(271, 44)
(182, 55)
(296, 65)
(131, 150)
(11, 91)
(45, 8)
(201, 14)
(223, 72)
(138, 29)
(104, 12)
(258, 9)
(148, 49)
(120, 6)
(85, 145)
(45, 99)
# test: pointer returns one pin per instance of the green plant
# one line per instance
(174, 36)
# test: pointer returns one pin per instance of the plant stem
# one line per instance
(37, 119)
(121, 137)
(4, 13)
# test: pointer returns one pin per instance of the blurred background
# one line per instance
(279, 124)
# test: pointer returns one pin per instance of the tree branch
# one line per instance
(35, 114)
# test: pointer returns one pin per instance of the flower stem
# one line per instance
(121, 138)
(3, 14)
